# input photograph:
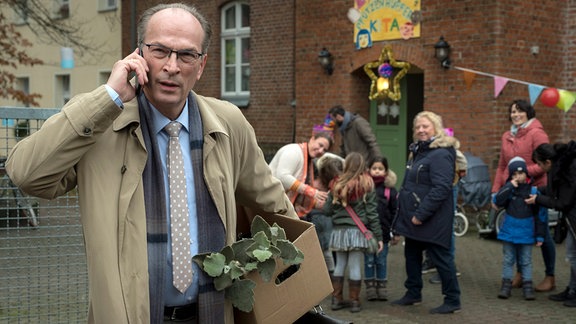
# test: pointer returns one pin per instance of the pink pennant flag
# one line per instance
(499, 84)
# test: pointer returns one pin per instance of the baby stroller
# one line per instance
(474, 189)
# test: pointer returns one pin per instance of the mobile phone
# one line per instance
(137, 84)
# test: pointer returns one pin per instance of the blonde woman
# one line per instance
(426, 212)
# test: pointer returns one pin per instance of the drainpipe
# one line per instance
(133, 35)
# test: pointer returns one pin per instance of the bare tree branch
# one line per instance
(45, 25)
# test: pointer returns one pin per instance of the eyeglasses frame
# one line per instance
(178, 53)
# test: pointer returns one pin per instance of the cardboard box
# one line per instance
(308, 286)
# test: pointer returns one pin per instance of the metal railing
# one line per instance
(43, 271)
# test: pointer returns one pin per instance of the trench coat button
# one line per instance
(87, 131)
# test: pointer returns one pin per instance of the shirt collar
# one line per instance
(160, 121)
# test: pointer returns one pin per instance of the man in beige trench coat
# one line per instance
(103, 143)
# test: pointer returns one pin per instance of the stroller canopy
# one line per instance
(475, 186)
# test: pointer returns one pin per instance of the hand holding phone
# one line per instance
(132, 66)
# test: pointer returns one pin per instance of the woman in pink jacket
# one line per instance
(525, 135)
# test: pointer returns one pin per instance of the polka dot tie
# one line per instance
(179, 217)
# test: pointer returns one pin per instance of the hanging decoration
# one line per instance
(549, 97)
(385, 67)
(566, 100)
(499, 84)
(534, 90)
(469, 79)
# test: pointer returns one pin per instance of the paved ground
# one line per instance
(479, 260)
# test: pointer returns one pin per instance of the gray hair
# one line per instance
(146, 15)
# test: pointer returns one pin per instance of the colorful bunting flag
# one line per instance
(499, 84)
(534, 90)
(567, 98)
(469, 79)
(566, 101)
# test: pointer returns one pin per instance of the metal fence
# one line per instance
(42, 261)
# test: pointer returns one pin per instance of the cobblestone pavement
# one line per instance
(480, 262)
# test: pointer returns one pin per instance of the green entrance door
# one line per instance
(389, 124)
(392, 122)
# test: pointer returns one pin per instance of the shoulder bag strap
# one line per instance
(358, 222)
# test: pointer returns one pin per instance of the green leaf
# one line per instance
(262, 255)
(228, 253)
(241, 294)
(275, 251)
(240, 249)
(266, 269)
(262, 240)
(199, 259)
(289, 253)
(277, 233)
(260, 225)
(222, 282)
(251, 266)
(214, 264)
(236, 270)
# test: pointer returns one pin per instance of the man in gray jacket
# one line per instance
(357, 135)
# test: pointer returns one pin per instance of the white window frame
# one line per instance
(59, 5)
(62, 90)
(22, 83)
(107, 5)
(237, 34)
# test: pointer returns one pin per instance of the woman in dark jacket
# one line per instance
(559, 160)
(426, 211)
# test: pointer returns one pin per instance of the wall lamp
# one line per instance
(442, 52)
(326, 61)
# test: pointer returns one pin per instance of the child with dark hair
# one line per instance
(375, 274)
(522, 227)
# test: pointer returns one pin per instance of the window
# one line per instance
(103, 77)
(61, 9)
(62, 91)
(106, 5)
(236, 53)
(23, 84)
(20, 12)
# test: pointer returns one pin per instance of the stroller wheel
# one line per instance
(460, 224)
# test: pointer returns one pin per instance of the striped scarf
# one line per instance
(211, 232)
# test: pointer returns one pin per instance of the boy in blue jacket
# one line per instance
(523, 227)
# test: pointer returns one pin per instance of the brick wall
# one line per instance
(488, 36)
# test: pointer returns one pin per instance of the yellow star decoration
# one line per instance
(386, 57)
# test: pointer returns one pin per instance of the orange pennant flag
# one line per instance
(469, 79)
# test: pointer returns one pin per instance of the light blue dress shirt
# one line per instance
(173, 297)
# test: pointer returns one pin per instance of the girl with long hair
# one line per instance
(354, 188)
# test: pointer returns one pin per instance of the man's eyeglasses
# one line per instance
(161, 51)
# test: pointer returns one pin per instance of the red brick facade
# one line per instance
(289, 91)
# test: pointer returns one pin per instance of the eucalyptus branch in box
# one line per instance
(258, 253)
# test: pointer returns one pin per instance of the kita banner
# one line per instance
(378, 20)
